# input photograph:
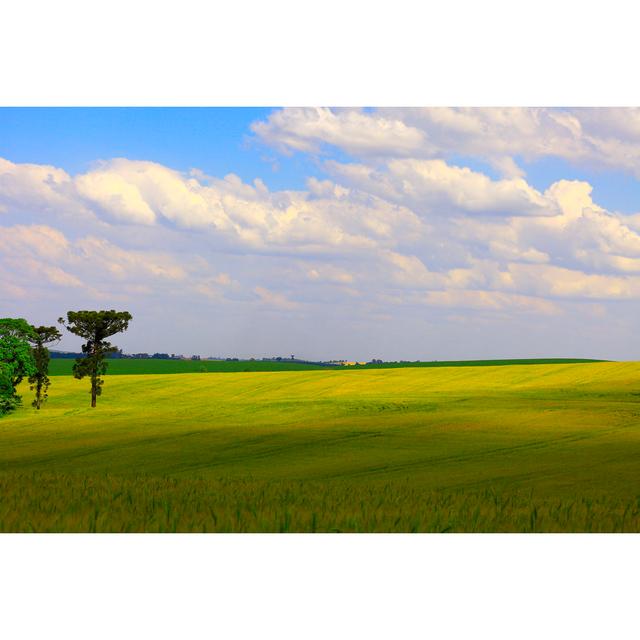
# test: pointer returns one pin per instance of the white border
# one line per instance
(331, 586)
(331, 53)
(336, 53)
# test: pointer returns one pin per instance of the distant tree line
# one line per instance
(119, 355)
(24, 353)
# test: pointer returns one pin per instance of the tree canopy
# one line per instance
(39, 380)
(95, 327)
(16, 359)
(15, 351)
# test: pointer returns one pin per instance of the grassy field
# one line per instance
(493, 448)
(125, 366)
(63, 366)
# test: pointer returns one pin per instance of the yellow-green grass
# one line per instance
(519, 448)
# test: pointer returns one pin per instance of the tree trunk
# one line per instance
(94, 380)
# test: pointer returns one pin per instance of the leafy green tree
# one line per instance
(95, 327)
(16, 357)
(8, 401)
(39, 380)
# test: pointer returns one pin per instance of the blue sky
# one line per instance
(217, 141)
(357, 233)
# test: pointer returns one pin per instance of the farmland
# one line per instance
(126, 366)
(526, 447)
(143, 366)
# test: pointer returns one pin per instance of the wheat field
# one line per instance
(553, 447)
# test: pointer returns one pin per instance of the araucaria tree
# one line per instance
(95, 327)
(39, 380)
(16, 359)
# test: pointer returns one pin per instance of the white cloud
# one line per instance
(606, 137)
(232, 213)
(559, 282)
(308, 129)
(33, 256)
(31, 188)
(214, 286)
(490, 301)
(115, 196)
(329, 273)
(42, 240)
(400, 236)
(404, 230)
(103, 255)
(29, 255)
(275, 299)
(498, 133)
(433, 186)
(141, 192)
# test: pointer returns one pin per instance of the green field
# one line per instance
(553, 447)
(117, 366)
(125, 366)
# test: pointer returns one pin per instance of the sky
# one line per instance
(393, 233)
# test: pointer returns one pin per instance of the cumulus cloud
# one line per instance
(433, 186)
(559, 282)
(309, 129)
(602, 136)
(491, 301)
(400, 230)
(326, 218)
(399, 227)
(115, 196)
(141, 192)
(33, 256)
(36, 188)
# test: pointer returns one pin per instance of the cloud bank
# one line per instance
(398, 231)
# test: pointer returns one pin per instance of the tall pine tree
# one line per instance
(39, 380)
(95, 327)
